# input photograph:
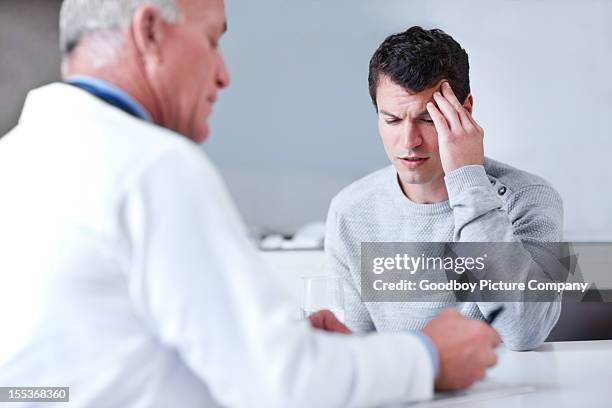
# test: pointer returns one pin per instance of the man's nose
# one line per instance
(411, 137)
(223, 77)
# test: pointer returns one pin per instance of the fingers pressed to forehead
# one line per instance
(438, 119)
(449, 94)
(449, 112)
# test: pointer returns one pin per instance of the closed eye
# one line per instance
(392, 121)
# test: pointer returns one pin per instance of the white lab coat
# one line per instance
(125, 274)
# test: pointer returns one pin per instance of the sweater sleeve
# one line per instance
(533, 216)
(357, 316)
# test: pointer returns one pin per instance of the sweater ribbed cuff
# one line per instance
(466, 177)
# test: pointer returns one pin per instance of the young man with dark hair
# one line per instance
(439, 188)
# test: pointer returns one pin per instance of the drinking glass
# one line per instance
(322, 292)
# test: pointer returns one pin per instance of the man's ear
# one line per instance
(148, 27)
(469, 103)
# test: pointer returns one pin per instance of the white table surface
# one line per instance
(564, 374)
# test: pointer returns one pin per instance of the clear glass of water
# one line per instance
(322, 292)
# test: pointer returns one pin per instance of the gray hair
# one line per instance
(106, 17)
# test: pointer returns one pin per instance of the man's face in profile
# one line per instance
(408, 133)
(194, 68)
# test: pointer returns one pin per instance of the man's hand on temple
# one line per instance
(325, 320)
(460, 138)
(466, 349)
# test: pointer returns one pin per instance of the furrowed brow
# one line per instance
(384, 112)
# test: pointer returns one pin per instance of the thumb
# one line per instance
(327, 321)
(333, 324)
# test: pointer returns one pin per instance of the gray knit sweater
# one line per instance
(490, 203)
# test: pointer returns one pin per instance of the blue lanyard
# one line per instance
(111, 95)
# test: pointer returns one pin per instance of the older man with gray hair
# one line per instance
(175, 78)
(125, 270)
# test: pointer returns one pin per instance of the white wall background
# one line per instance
(297, 124)
(29, 55)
